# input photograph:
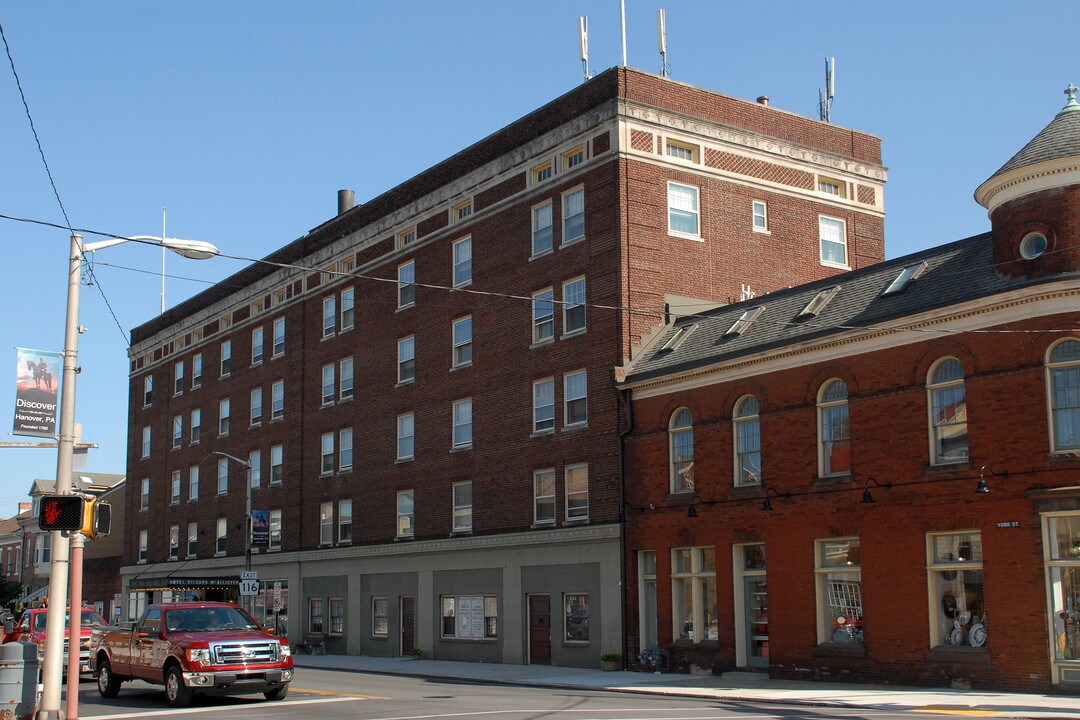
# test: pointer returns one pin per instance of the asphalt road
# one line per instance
(334, 695)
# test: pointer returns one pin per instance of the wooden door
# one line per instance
(539, 629)
(408, 624)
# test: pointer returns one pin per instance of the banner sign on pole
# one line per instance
(37, 386)
(260, 528)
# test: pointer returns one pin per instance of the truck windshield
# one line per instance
(208, 620)
(90, 619)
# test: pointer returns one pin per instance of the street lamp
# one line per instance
(52, 671)
(247, 511)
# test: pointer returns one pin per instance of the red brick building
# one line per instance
(422, 386)
(873, 477)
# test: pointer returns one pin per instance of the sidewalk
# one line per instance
(730, 686)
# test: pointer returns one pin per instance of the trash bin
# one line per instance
(18, 680)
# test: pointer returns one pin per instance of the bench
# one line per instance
(314, 643)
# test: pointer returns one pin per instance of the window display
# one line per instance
(956, 581)
(1065, 585)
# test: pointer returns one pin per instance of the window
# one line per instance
(834, 447)
(144, 539)
(681, 441)
(1063, 389)
(462, 262)
(815, 306)
(193, 483)
(226, 358)
(681, 150)
(462, 337)
(329, 316)
(838, 567)
(406, 237)
(277, 400)
(693, 593)
(573, 292)
(221, 536)
(1033, 245)
(406, 359)
(256, 407)
(146, 441)
(174, 488)
(223, 476)
(148, 390)
(461, 211)
(196, 426)
(575, 395)
(462, 506)
(747, 442)
(462, 423)
(541, 228)
(345, 379)
(196, 371)
(344, 525)
(327, 453)
(405, 432)
(348, 308)
(277, 463)
(337, 616)
(461, 613)
(1063, 536)
(256, 346)
(177, 431)
(254, 469)
(43, 549)
(957, 604)
(576, 615)
(573, 214)
(833, 241)
(832, 186)
(192, 539)
(275, 530)
(543, 172)
(380, 618)
(683, 210)
(279, 337)
(174, 542)
(326, 523)
(544, 405)
(948, 413)
(906, 275)
(760, 215)
(744, 322)
(406, 290)
(577, 492)
(223, 417)
(543, 309)
(315, 615)
(573, 158)
(345, 449)
(405, 513)
(329, 384)
(178, 378)
(544, 496)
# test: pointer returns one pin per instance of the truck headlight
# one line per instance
(199, 655)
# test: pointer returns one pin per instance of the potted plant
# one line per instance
(416, 653)
(610, 661)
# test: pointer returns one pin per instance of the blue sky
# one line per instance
(243, 119)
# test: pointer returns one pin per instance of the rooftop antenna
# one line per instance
(163, 261)
(583, 41)
(622, 21)
(825, 97)
(661, 41)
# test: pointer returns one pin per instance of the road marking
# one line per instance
(956, 710)
(217, 709)
(334, 693)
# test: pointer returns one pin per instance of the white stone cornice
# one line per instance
(1026, 180)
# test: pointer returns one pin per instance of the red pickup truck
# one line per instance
(205, 648)
(31, 628)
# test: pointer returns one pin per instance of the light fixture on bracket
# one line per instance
(766, 503)
(982, 488)
(866, 496)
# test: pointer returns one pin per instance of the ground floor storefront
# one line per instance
(550, 597)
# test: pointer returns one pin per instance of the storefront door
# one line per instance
(757, 622)
(539, 629)
(408, 624)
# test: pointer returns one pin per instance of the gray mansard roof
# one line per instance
(953, 274)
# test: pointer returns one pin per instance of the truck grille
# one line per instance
(245, 653)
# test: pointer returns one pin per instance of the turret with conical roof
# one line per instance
(1034, 200)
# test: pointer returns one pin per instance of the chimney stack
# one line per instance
(763, 100)
(345, 200)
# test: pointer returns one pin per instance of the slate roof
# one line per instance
(955, 273)
(1059, 139)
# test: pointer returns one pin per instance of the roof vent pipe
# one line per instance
(763, 100)
(345, 200)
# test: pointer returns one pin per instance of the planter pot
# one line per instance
(610, 665)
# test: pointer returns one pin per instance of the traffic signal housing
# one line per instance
(97, 518)
(62, 512)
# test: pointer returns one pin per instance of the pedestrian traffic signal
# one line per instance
(97, 518)
(61, 512)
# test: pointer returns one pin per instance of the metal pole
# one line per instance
(622, 22)
(247, 538)
(75, 626)
(52, 672)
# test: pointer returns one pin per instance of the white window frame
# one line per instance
(575, 390)
(329, 316)
(406, 285)
(682, 151)
(223, 476)
(224, 417)
(277, 464)
(543, 235)
(573, 476)
(569, 219)
(544, 406)
(823, 222)
(144, 540)
(681, 470)
(406, 514)
(329, 384)
(196, 425)
(326, 453)
(258, 347)
(461, 337)
(277, 400)
(744, 420)
(254, 469)
(462, 256)
(838, 588)
(759, 212)
(345, 379)
(344, 522)
(146, 444)
(279, 337)
(462, 506)
(178, 378)
(825, 410)
(941, 395)
(192, 540)
(700, 581)
(380, 617)
(406, 436)
(406, 360)
(178, 432)
(275, 531)
(193, 483)
(462, 416)
(144, 494)
(543, 318)
(225, 366)
(326, 523)
(174, 487)
(148, 390)
(1064, 433)
(174, 542)
(681, 212)
(406, 237)
(255, 416)
(347, 311)
(461, 211)
(221, 537)
(196, 371)
(943, 571)
(345, 449)
(574, 299)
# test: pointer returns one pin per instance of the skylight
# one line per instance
(744, 321)
(906, 276)
(815, 306)
(679, 337)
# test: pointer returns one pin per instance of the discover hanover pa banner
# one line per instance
(37, 385)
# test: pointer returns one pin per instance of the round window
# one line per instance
(1033, 245)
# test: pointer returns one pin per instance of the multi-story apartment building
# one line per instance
(873, 477)
(419, 393)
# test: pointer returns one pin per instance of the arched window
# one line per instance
(1063, 380)
(834, 445)
(747, 442)
(948, 413)
(681, 433)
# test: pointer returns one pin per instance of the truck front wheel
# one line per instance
(107, 683)
(277, 693)
(176, 692)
